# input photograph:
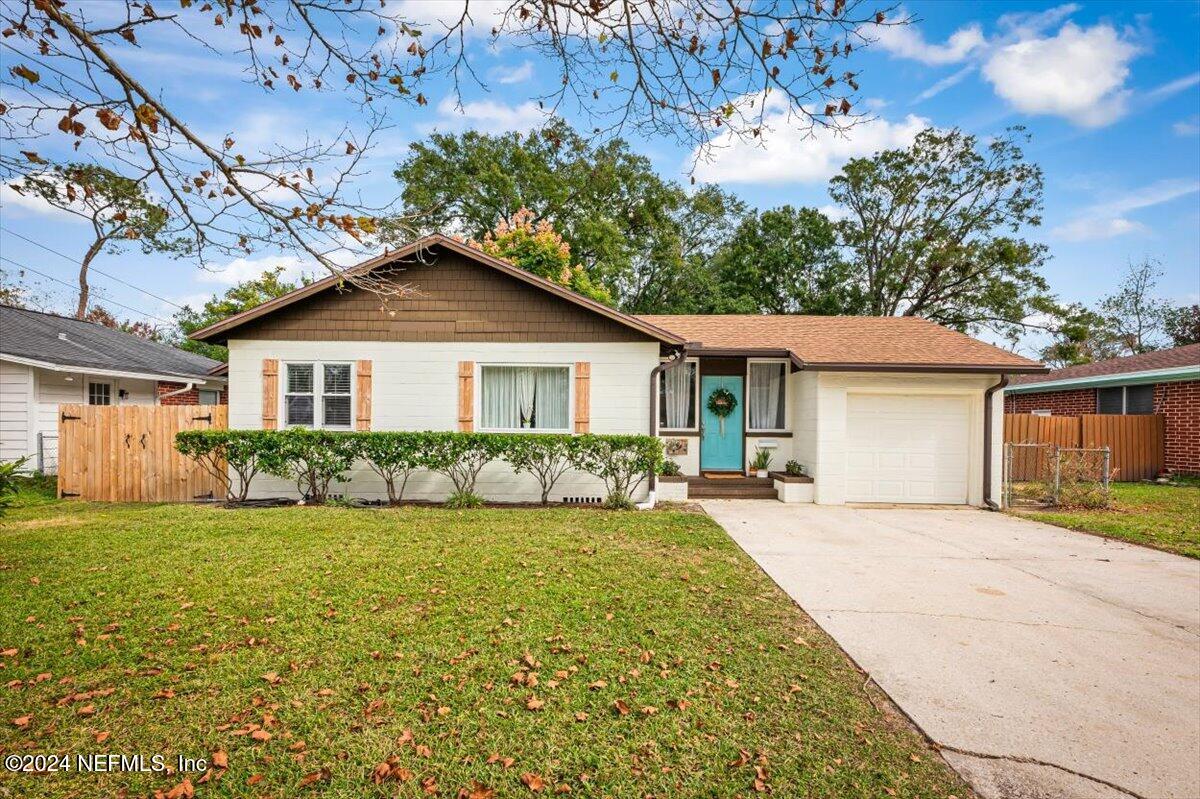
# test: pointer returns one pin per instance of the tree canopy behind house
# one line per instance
(241, 297)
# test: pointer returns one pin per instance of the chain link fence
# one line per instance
(1047, 475)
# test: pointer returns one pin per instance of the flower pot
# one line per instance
(762, 473)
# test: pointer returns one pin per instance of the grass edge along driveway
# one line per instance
(418, 652)
(1165, 517)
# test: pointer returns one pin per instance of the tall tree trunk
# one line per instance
(81, 308)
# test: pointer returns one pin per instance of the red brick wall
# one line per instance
(1074, 402)
(191, 397)
(1180, 404)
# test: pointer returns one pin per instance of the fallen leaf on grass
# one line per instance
(101, 737)
(183, 790)
(534, 703)
(322, 775)
(533, 782)
(86, 710)
(272, 678)
(261, 735)
(254, 779)
(478, 791)
(621, 707)
(21, 722)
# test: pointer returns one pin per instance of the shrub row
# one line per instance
(314, 459)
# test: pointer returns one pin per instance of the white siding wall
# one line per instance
(829, 466)
(415, 387)
(16, 426)
(804, 421)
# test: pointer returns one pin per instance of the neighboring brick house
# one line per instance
(1165, 382)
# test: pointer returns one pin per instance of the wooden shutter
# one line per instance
(583, 398)
(362, 401)
(466, 396)
(270, 394)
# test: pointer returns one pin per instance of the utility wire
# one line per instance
(73, 288)
(90, 268)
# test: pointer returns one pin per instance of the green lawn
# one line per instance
(604, 654)
(1166, 517)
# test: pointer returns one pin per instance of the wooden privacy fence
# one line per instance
(126, 453)
(1136, 440)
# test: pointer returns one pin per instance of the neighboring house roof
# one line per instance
(847, 342)
(52, 341)
(220, 331)
(1180, 363)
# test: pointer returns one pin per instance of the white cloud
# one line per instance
(1091, 229)
(907, 41)
(1173, 87)
(1078, 74)
(945, 83)
(835, 213)
(242, 269)
(507, 75)
(438, 16)
(787, 154)
(1108, 219)
(1187, 127)
(487, 115)
(11, 199)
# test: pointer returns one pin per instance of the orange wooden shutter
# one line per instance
(583, 398)
(363, 400)
(466, 396)
(270, 393)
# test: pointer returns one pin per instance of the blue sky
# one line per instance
(1109, 91)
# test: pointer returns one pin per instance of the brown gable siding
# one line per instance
(460, 301)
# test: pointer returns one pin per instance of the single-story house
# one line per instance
(47, 360)
(876, 409)
(1165, 382)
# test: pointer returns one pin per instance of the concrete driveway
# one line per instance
(1045, 663)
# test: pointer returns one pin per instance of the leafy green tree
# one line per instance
(117, 207)
(934, 230)
(537, 248)
(242, 297)
(1135, 316)
(1182, 324)
(642, 237)
(1080, 335)
(785, 261)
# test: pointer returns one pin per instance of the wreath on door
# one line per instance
(721, 403)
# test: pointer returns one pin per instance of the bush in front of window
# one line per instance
(316, 458)
(311, 458)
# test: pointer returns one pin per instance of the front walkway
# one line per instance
(1046, 663)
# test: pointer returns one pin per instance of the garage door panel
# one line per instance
(907, 448)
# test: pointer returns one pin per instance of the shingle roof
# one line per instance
(65, 341)
(847, 341)
(1148, 361)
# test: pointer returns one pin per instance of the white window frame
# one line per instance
(318, 394)
(478, 399)
(659, 426)
(1042, 412)
(787, 396)
(112, 391)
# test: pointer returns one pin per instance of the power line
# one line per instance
(74, 288)
(90, 268)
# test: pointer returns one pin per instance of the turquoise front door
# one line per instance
(721, 443)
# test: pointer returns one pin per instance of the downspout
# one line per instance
(987, 443)
(187, 387)
(680, 354)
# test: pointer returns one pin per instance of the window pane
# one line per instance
(1139, 399)
(99, 394)
(768, 386)
(299, 378)
(1110, 400)
(677, 397)
(300, 409)
(524, 397)
(337, 378)
(336, 410)
(208, 397)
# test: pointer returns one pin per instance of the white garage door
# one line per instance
(906, 448)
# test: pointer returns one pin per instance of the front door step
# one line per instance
(732, 488)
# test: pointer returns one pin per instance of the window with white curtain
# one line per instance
(677, 397)
(767, 395)
(317, 395)
(525, 398)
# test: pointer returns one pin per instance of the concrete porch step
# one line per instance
(731, 488)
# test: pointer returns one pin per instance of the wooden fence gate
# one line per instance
(126, 453)
(1135, 440)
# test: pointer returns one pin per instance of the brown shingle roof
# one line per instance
(1148, 361)
(847, 341)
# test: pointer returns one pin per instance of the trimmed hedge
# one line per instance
(316, 458)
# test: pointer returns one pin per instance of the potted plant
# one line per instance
(794, 469)
(762, 462)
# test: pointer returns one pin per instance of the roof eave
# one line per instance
(171, 377)
(956, 368)
(1172, 374)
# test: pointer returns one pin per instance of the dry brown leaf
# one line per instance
(533, 782)
(261, 735)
